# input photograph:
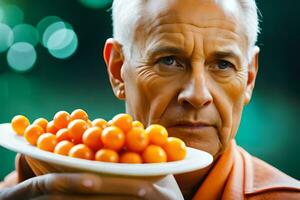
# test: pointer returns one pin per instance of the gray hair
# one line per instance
(125, 15)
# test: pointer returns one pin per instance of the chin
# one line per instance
(206, 142)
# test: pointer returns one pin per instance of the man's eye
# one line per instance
(223, 64)
(169, 60)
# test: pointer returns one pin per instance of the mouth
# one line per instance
(193, 127)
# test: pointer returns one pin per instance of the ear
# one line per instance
(252, 72)
(114, 60)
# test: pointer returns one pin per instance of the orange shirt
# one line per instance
(239, 176)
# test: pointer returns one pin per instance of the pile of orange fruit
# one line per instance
(120, 140)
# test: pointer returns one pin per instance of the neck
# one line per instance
(190, 182)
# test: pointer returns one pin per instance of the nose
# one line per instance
(196, 92)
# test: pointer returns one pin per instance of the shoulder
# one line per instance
(263, 181)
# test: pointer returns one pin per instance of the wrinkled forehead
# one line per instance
(167, 16)
(194, 12)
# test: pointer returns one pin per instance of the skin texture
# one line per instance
(187, 70)
(54, 181)
(77, 186)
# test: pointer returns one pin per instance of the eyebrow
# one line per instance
(225, 54)
(167, 49)
(175, 50)
(222, 54)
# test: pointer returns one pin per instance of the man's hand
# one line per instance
(78, 185)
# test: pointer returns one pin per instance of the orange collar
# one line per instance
(214, 184)
(237, 174)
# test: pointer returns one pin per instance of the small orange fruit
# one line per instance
(81, 151)
(136, 139)
(63, 147)
(61, 119)
(131, 157)
(113, 138)
(42, 122)
(107, 155)
(51, 128)
(137, 124)
(175, 149)
(47, 142)
(100, 123)
(79, 114)
(63, 134)
(158, 134)
(19, 123)
(92, 138)
(76, 130)
(154, 154)
(32, 133)
(123, 121)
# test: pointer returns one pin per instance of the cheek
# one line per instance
(137, 104)
(229, 98)
(160, 91)
(148, 94)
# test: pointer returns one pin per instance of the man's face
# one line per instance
(188, 71)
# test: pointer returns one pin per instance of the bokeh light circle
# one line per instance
(26, 33)
(6, 37)
(21, 56)
(60, 39)
(13, 15)
(67, 47)
(96, 4)
(44, 24)
(52, 29)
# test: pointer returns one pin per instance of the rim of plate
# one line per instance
(195, 159)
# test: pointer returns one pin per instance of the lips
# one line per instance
(191, 126)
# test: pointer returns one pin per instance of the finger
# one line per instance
(53, 184)
(162, 187)
(75, 183)
(84, 197)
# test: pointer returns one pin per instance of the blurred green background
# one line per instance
(269, 128)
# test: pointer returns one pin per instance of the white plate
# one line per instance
(194, 160)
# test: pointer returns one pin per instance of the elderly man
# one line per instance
(191, 66)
